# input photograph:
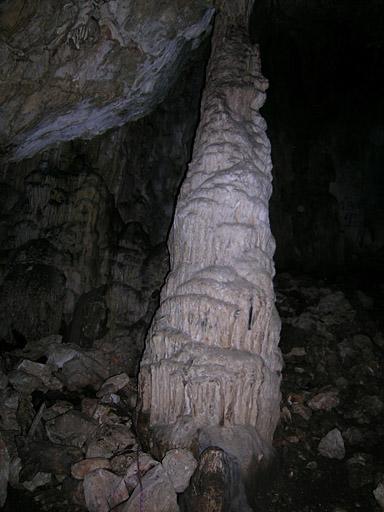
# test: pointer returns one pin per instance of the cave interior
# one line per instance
(84, 225)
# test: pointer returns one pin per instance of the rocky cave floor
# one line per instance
(330, 440)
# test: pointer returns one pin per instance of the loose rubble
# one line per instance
(331, 433)
(66, 437)
(72, 445)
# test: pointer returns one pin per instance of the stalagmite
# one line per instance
(210, 373)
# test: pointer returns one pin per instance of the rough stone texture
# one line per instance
(379, 494)
(180, 465)
(155, 494)
(211, 356)
(4, 471)
(96, 212)
(332, 445)
(215, 486)
(76, 69)
(71, 429)
(103, 490)
(82, 468)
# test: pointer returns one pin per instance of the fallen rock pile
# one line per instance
(66, 436)
(331, 436)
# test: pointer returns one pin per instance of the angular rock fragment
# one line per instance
(155, 494)
(71, 429)
(332, 445)
(180, 465)
(39, 480)
(140, 465)
(113, 384)
(108, 440)
(324, 401)
(4, 471)
(379, 494)
(103, 490)
(83, 467)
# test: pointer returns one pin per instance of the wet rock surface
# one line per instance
(330, 439)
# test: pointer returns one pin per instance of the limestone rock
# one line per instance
(379, 494)
(71, 429)
(180, 466)
(4, 471)
(82, 468)
(156, 494)
(216, 485)
(110, 439)
(211, 355)
(103, 490)
(9, 402)
(91, 65)
(113, 384)
(332, 445)
(140, 465)
(39, 480)
(324, 401)
(32, 297)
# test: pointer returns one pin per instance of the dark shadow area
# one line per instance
(325, 108)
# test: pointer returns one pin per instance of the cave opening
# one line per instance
(144, 130)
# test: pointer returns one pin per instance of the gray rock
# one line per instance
(4, 471)
(156, 494)
(113, 384)
(332, 445)
(324, 401)
(85, 466)
(71, 429)
(180, 465)
(379, 494)
(140, 465)
(103, 490)
(110, 439)
(3, 380)
(41, 371)
(360, 470)
(97, 66)
(9, 402)
(57, 409)
(39, 480)
(25, 383)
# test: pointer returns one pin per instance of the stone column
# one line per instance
(210, 373)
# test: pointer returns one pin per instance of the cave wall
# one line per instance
(84, 226)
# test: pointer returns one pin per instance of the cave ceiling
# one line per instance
(74, 69)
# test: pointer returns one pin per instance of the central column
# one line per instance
(210, 374)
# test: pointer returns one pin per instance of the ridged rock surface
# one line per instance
(211, 358)
(78, 68)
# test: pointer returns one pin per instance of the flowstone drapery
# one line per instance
(210, 373)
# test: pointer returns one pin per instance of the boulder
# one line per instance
(103, 490)
(180, 465)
